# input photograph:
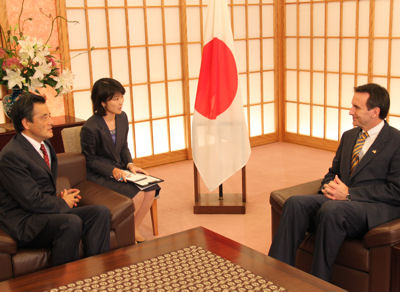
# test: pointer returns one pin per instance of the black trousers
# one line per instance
(331, 221)
(63, 233)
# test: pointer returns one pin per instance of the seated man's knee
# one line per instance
(330, 210)
(74, 224)
(102, 212)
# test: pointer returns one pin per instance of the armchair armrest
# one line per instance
(120, 206)
(279, 197)
(385, 234)
(7, 244)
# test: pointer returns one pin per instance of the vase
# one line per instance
(9, 99)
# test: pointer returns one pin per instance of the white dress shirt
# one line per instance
(373, 133)
(36, 145)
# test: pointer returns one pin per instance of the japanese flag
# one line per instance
(220, 139)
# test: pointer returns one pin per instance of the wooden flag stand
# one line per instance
(218, 203)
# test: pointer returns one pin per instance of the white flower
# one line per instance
(42, 70)
(27, 48)
(35, 83)
(14, 78)
(64, 81)
(40, 55)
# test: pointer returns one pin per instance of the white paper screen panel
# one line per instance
(97, 20)
(77, 29)
(254, 57)
(100, 64)
(136, 26)
(254, 21)
(141, 103)
(120, 65)
(139, 65)
(117, 24)
(172, 30)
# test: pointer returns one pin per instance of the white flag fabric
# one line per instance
(220, 141)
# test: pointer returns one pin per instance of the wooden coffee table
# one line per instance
(259, 264)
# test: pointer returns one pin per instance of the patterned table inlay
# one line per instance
(188, 269)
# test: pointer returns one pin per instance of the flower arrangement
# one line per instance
(26, 63)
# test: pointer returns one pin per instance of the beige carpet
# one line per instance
(270, 167)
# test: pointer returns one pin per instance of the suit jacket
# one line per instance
(376, 178)
(27, 189)
(102, 155)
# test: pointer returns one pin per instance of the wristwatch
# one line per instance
(348, 198)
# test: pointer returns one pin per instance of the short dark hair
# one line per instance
(23, 108)
(103, 90)
(378, 97)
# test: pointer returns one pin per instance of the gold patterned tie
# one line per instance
(356, 150)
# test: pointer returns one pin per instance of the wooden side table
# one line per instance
(7, 131)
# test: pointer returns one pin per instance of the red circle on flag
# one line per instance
(218, 80)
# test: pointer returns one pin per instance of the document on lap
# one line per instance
(141, 180)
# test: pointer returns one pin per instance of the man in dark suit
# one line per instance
(361, 189)
(30, 210)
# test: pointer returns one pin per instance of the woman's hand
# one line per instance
(119, 174)
(135, 169)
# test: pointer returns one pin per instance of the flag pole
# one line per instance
(219, 203)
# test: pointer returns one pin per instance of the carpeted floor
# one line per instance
(270, 167)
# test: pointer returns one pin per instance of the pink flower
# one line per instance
(12, 63)
(53, 63)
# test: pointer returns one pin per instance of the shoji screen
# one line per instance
(253, 31)
(137, 42)
(330, 47)
(385, 51)
(153, 47)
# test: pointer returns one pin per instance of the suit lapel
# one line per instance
(348, 146)
(120, 130)
(374, 149)
(37, 158)
(53, 162)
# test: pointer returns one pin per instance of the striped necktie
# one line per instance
(356, 150)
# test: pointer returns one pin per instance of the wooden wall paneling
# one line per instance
(128, 43)
(356, 43)
(88, 43)
(246, 15)
(389, 72)
(325, 68)
(311, 68)
(280, 66)
(164, 46)
(340, 68)
(63, 41)
(149, 82)
(260, 7)
(371, 39)
(185, 77)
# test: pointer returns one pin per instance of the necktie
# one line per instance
(356, 150)
(45, 155)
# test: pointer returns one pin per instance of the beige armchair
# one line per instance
(362, 265)
(72, 143)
